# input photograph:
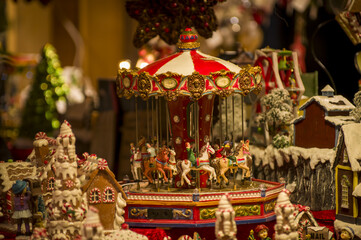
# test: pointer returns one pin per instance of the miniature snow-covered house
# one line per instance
(321, 121)
(105, 194)
(347, 175)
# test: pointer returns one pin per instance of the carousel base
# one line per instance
(149, 206)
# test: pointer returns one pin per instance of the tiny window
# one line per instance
(51, 184)
(108, 195)
(94, 196)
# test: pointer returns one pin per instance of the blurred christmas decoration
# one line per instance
(169, 18)
(46, 98)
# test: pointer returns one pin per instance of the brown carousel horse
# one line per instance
(159, 163)
(243, 161)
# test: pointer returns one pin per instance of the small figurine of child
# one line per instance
(347, 233)
(21, 206)
(262, 232)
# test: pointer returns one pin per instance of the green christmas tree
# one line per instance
(40, 113)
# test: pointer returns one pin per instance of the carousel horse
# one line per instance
(172, 161)
(243, 161)
(136, 164)
(184, 166)
(159, 163)
(244, 158)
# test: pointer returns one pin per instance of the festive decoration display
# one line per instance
(169, 18)
(46, 98)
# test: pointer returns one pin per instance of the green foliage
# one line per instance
(40, 113)
(281, 141)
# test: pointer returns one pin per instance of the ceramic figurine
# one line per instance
(262, 232)
(286, 226)
(150, 150)
(347, 233)
(22, 203)
(92, 227)
(159, 163)
(226, 228)
(251, 235)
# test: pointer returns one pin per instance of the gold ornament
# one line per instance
(196, 85)
(144, 85)
(247, 210)
(208, 213)
(186, 214)
(268, 207)
(139, 212)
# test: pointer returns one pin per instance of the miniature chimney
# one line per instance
(328, 91)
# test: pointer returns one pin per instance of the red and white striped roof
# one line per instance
(178, 74)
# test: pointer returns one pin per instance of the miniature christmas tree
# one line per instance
(40, 112)
(277, 111)
(356, 113)
(68, 206)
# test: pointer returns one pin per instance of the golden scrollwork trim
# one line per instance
(223, 93)
(247, 210)
(135, 212)
(188, 45)
(196, 85)
(268, 207)
(208, 213)
(179, 213)
(144, 84)
(171, 95)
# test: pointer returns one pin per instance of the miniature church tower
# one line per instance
(68, 205)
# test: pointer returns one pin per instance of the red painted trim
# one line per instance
(205, 67)
(154, 67)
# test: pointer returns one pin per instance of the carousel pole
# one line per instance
(148, 134)
(152, 119)
(136, 119)
(160, 123)
(226, 106)
(167, 121)
(196, 118)
(233, 146)
(220, 119)
(242, 119)
(157, 121)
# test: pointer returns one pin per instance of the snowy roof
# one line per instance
(340, 120)
(277, 157)
(340, 224)
(10, 172)
(350, 135)
(334, 103)
(327, 88)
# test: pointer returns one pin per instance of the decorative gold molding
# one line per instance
(223, 93)
(171, 95)
(188, 45)
(247, 210)
(196, 85)
(187, 213)
(208, 213)
(144, 85)
(268, 207)
(135, 212)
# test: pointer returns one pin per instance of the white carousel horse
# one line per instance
(172, 161)
(184, 166)
(136, 163)
(244, 158)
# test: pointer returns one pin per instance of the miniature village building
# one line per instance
(105, 194)
(321, 121)
(347, 176)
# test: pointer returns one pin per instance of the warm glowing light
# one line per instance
(124, 64)
(143, 64)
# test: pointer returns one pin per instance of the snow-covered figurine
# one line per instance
(262, 232)
(22, 203)
(226, 228)
(347, 233)
(286, 226)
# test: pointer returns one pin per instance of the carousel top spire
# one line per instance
(188, 40)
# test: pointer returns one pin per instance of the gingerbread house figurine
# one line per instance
(321, 121)
(104, 193)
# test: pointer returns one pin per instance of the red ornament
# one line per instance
(147, 29)
(157, 24)
(206, 24)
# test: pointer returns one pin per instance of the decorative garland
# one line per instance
(92, 196)
(105, 200)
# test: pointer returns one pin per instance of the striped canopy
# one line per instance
(188, 72)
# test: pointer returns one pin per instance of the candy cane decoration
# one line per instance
(102, 164)
(42, 135)
(68, 210)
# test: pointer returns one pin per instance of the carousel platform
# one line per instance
(253, 202)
